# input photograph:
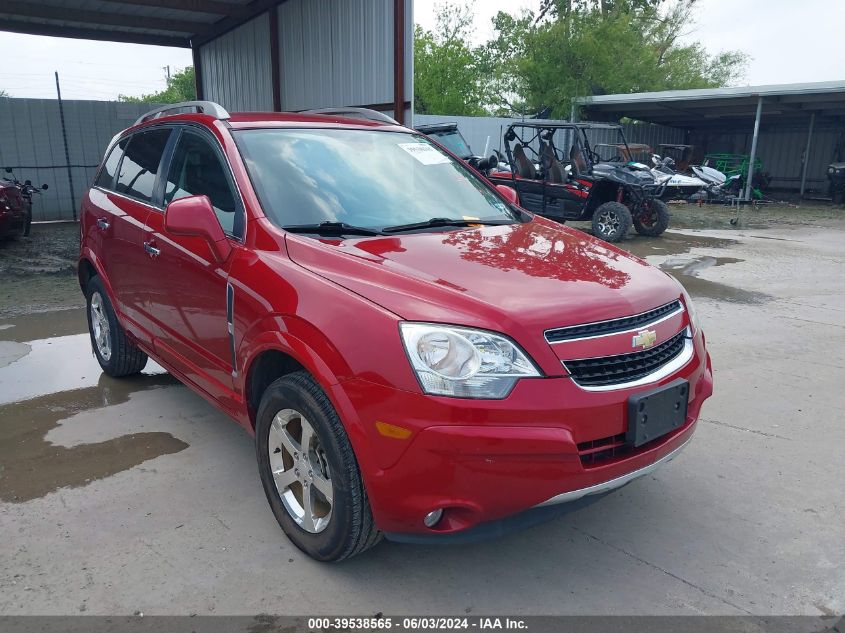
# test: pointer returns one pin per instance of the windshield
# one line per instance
(454, 142)
(362, 178)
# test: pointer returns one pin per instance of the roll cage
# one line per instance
(536, 135)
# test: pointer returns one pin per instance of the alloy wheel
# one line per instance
(300, 471)
(100, 326)
(608, 223)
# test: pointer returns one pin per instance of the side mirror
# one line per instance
(45, 187)
(509, 193)
(8, 170)
(194, 217)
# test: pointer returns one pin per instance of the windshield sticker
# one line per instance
(424, 153)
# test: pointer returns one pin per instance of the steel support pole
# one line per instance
(67, 150)
(807, 153)
(753, 157)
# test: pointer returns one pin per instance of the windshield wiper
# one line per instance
(331, 228)
(399, 228)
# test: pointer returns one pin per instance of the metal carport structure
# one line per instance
(807, 110)
(256, 54)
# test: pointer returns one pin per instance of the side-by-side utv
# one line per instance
(557, 174)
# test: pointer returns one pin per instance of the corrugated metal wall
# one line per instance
(236, 67)
(333, 53)
(32, 144)
(781, 151)
(477, 130)
(336, 52)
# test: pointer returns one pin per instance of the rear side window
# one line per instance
(197, 169)
(140, 164)
(106, 177)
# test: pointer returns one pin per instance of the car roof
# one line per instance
(247, 120)
(430, 128)
(552, 123)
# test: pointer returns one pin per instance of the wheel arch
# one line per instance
(601, 192)
(275, 353)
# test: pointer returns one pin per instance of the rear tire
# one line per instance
(653, 218)
(327, 527)
(116, 354)
(611, 221)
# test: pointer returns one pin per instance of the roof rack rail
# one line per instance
(203, 107)
(355, 113)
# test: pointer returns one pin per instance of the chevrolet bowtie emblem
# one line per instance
(644, 339)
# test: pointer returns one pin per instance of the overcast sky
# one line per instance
(790, 41)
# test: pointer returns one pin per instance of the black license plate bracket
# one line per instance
(654, 413)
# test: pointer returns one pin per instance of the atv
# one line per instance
(578, 184)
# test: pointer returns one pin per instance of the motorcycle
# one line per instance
(16, 204)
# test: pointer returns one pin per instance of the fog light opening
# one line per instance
(433, 517)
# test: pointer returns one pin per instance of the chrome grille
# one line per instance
(625, 368)
(612, 326)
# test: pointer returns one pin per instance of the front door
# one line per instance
(188, 301)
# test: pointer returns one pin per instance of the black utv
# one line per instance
(450, 137)
(558, 174)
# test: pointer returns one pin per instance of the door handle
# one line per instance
(103, 224)
(151, 250)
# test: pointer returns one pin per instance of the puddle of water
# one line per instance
(672, 244)
(42, 325)
(694, 265)
(31, 467)
(687, 269)
(52, 365)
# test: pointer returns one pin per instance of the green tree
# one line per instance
(448, 72)
(585, 47)
(180, 87)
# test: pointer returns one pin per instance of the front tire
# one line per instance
(309, 472)
(611, 221)
(653, 218)
(116, 354)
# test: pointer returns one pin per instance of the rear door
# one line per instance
(120, 201)
(189, 301)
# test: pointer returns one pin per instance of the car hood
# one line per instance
(533, 275)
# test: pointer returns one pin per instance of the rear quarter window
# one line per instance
(105, 178)
(140, 164)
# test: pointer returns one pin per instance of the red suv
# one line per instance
(415, 355)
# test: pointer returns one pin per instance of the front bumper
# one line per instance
(483, 461)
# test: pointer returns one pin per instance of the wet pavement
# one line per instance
(128, 495)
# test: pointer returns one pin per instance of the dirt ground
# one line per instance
(39, 272)
(136, 496)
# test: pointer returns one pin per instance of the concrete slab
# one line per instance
(136, 495)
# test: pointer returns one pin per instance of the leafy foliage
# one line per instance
(569, 48)
(180, 87)
(448, 74)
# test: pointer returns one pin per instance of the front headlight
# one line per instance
(463, 362)
(690, 307)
